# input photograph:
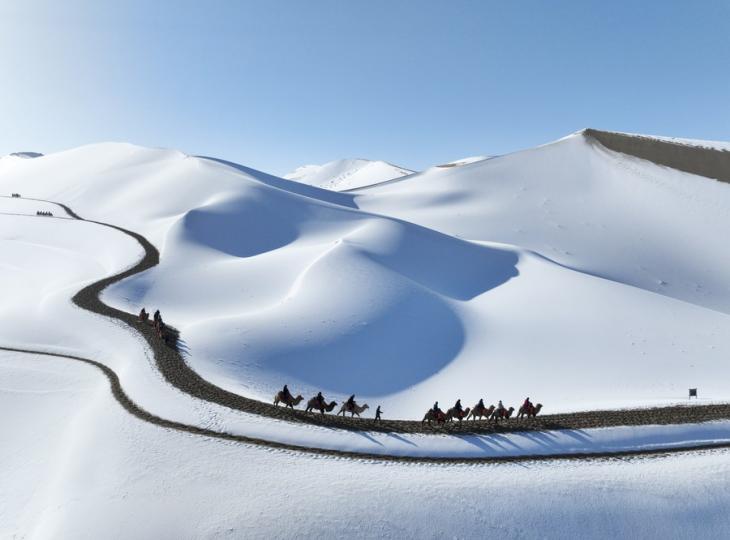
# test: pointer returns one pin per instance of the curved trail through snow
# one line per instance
(176, 372)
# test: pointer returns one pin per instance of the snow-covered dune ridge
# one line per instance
(586, 207)
(345, 174)
(534, 273)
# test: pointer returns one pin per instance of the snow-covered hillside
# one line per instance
(345, 174)
(581, 277)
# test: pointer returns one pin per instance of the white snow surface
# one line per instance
(576, 275)
(345, 174)
(78, 466)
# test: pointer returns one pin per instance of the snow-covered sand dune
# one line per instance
(345, 174)
(57, 275)
(576, 275)
(580, 276)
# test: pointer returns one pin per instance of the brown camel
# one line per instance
(315, 404)
(353, 409)
(502, 414)
(480, 411)
(454, 413)
(432, 415)
(531, 412)
(289, 401)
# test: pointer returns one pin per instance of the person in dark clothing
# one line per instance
(480, 405)
(527, 405)
(435, 407)
(285, 392)
(143, 315)
(377, 414)
(320, 399)
(458, 407)
(157, 316)
(350, 402)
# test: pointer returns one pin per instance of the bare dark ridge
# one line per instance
(176, 372)
(709, 162)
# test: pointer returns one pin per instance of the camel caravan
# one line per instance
(161, 330)
(320, 404)
(434, 414)
(44, 213)
(479, 411)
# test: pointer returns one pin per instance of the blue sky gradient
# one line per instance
(274, 85)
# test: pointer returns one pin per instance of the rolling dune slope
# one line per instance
(571, 273)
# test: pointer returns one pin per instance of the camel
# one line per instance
(288, 401)
(315, 404)
(502, 414)
(454, 413)
(353, 409)
(432, 415)
(531, 412)
(478, 412)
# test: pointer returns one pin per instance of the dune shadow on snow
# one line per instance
(235, 227)
(410, 341)
(414, 339)
(446, 265)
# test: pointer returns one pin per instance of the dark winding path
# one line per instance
(177, 373)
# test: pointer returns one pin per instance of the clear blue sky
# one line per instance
(277, 84)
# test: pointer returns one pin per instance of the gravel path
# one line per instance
(177, 373)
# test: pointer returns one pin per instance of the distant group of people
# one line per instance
(43, 213)
(15, 195)
(157, 322)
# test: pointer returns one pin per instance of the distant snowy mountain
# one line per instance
(345, 174)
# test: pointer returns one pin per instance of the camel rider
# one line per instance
(142, 315)
(480, 405)
(435, 407)
(350, 402)
(285, 392)
(157, 316)
(500, 407)
(320, 399)
(527, 405)
(458, 406)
